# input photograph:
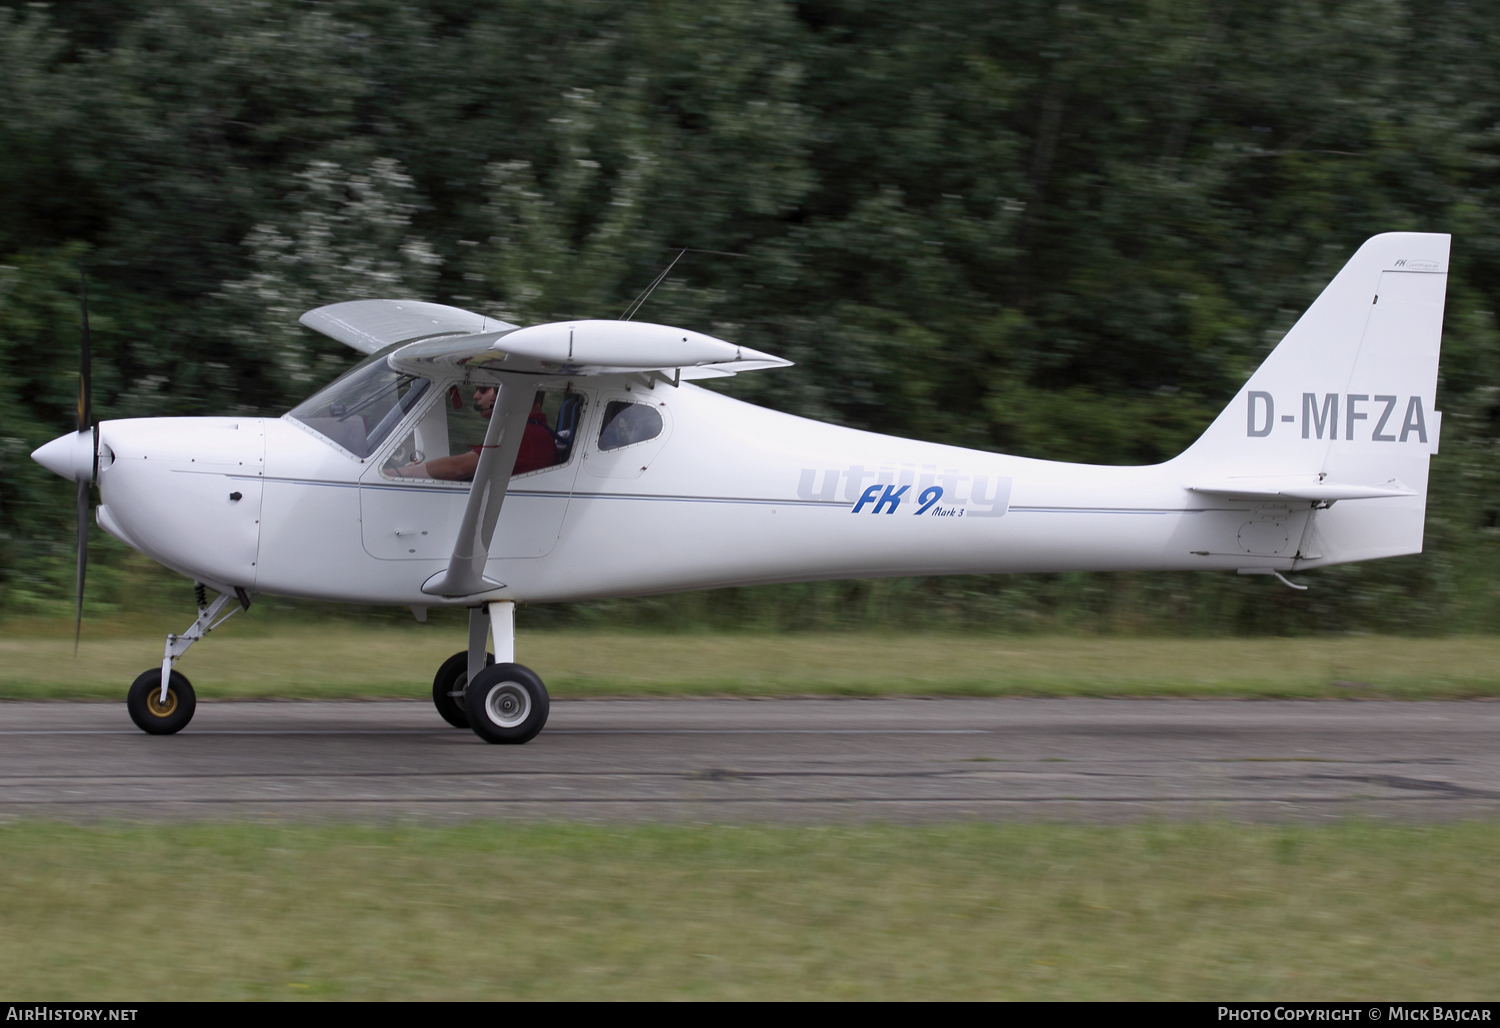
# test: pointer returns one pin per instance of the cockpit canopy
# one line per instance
(360, 408)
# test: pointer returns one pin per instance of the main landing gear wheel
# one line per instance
(148, 711)
(506, 703)
(448, 688)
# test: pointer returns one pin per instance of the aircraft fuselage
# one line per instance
(727, 494)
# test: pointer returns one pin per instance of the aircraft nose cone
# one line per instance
(70, 456)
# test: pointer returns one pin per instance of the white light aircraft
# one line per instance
(468, 462)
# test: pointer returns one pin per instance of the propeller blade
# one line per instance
(85, 424)
(85, 372)
(83, 559)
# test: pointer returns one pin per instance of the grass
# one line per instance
(333, 660)
(494, 911)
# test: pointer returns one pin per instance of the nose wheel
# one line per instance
(154, 715)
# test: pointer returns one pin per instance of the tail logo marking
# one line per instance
(1257, 398)
(1327, 419)
(1322, 416)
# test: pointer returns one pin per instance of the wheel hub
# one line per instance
(157, 707)
(508, 704)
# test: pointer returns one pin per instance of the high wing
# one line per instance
(583, 348)
(447, 336)
(370, 325)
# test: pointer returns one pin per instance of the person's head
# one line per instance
(484, 400)
(536, 401)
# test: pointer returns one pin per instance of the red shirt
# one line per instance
(538, 449)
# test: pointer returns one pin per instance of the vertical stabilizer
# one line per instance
(1347, 398)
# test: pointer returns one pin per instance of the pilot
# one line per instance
(538, 445)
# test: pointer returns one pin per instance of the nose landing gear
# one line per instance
(161, 701)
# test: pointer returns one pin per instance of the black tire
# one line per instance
(156, 718)
(448, 687)
(507, 703)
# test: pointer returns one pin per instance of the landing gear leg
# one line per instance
(479, 627)
(163, 702)
(505, 703)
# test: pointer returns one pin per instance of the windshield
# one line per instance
(358, 410)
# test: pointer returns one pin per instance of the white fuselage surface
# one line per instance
(728, 494)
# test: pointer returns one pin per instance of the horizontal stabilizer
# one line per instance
(370, 325)
(589, 348)
(1298, 487)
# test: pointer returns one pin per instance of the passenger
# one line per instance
(538, 444)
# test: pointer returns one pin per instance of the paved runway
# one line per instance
(766, 761)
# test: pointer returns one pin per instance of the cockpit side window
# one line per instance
(446, 442)
(564, 409)
(626, 423)
(359, 410)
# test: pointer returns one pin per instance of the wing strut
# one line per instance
(502, 442)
